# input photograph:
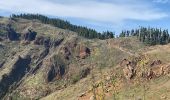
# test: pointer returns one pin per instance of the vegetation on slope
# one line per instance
(82, 31)
(149, 36)
(75, 66)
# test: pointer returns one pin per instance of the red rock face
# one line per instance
(128, 68)
(84, 52)
(152, 70)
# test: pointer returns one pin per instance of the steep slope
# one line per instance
(58, 58)
(41, 43)
(144, 76)
(39, 61)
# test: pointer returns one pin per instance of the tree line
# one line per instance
(82, 31)
(149, 36)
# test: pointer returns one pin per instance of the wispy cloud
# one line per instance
(89, 10)
(161, 1)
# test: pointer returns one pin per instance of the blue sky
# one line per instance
(102, 15)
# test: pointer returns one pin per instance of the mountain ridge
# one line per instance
(40, 61)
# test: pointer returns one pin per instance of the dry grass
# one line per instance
(105, 56)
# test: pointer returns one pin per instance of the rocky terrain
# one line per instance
(40, 61)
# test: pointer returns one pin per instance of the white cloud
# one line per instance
(89, 10)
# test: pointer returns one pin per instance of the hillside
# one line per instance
(41, 61)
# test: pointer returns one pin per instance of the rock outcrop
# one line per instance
(56, 68)
(69, 48)
(128, 68)
(66, 52)
(39, 40)
(159, 69)
(29, 35)
(85, 72)
(84, 52)
(12, 35)
(47, 42)
(156, 62)
(18, 70)
(78, 50)
(148, 70)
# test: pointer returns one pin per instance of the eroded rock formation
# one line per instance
(128, 68)
(12, 35)
(56, 68)
(47, 42)
(18, 70)
(29, 35)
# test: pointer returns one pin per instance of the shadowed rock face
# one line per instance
(12, 35)
(55, 43)
(47, 42)
(1, 39)
(43, 54)
(39, 40)
(29, 36)
(128, 68)
(66, 52)
(57, 68)
(68, 49)
(85, 72)
(2, 63)
(18, 71)
(55, 72)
